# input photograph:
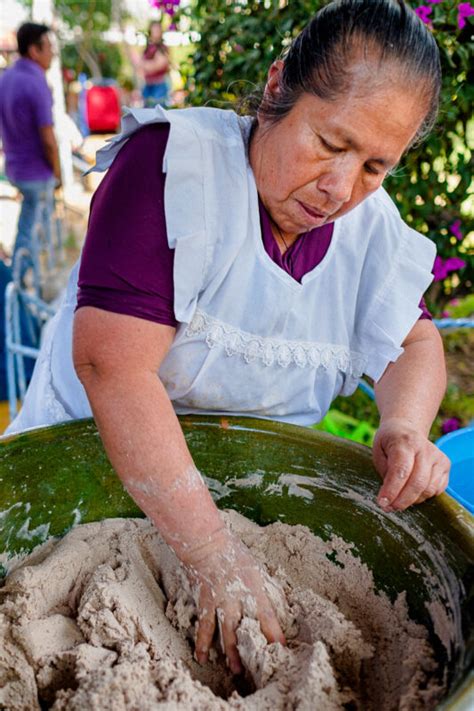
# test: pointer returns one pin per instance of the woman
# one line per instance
(259, 268)
(155, 66)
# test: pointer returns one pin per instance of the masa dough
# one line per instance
(103, 620)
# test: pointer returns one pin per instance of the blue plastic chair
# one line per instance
(25, 317)
(459, 447)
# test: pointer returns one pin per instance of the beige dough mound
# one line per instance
(103, 620)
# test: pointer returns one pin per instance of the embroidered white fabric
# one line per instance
(271, 351)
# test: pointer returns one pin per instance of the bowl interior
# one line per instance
(56, 477)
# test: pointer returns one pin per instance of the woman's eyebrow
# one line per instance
(349, 142)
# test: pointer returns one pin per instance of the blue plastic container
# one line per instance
(459, 447)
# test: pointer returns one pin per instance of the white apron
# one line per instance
(251, 340)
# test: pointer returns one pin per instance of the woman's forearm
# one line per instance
(159, 63)
(411, 389)
(146, 446)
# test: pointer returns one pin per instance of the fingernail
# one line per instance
(236, 668)
(202, 657)
(383, 502)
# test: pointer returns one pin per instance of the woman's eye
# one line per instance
(370, 170)
(330, 147)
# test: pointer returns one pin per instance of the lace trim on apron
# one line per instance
(271, 351)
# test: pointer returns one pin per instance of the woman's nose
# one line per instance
(338, 182)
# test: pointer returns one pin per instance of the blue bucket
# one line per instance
(459, 447)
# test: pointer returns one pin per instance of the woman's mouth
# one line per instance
(311, 212)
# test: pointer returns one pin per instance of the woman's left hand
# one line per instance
(412, 468)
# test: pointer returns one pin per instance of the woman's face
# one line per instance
(323, 158)
(156, 32)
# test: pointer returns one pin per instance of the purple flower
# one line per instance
(450, 425)
(442, 267)
(465, 10)
(424, 13)
(169, 6)
(455, 228)
(433, 2)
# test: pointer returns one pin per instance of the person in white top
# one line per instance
(357, 87)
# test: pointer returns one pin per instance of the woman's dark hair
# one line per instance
(30, 33)
(161, 44)
(320, 59)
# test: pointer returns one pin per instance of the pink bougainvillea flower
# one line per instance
(465, 10)
(424, 13)
(442, 267)
(455, 228)
(450, 425)
(168, 6)
(434, 2)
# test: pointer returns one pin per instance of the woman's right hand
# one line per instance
(228, 583)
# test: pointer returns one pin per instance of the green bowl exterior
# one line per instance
(55, 477)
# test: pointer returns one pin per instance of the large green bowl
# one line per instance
(56, 477)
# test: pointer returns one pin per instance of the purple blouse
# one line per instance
(127, 265)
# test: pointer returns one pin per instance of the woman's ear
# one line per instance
(272, 87)
(273, 84)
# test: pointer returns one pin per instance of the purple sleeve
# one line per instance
(127, 265)
(42, 104)
(425, 311)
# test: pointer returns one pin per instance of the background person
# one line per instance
(262, 275)
(155, 65)
(26, 129)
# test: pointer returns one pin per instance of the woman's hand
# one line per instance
(117, 358)
(412, 468)
(228, 583)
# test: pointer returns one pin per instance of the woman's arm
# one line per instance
(159, 63)
(408, 397)
(117, 358)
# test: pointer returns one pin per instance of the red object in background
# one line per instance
(68, 75)
(103, 108)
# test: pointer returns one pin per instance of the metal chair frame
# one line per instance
(36, 314)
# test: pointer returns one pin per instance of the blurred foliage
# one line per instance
(239, 39)
(93, 17)
(103, 59)
(461, 308)
(458, 401)
(89, 52)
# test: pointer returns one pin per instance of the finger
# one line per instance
(446, 467)
(205, 632)
(228, 624)
(417, 482)
(269, 624)
(379, 457)
(437, 484)
(400, 463)
(444, 483)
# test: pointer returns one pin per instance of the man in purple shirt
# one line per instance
(26, 130)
